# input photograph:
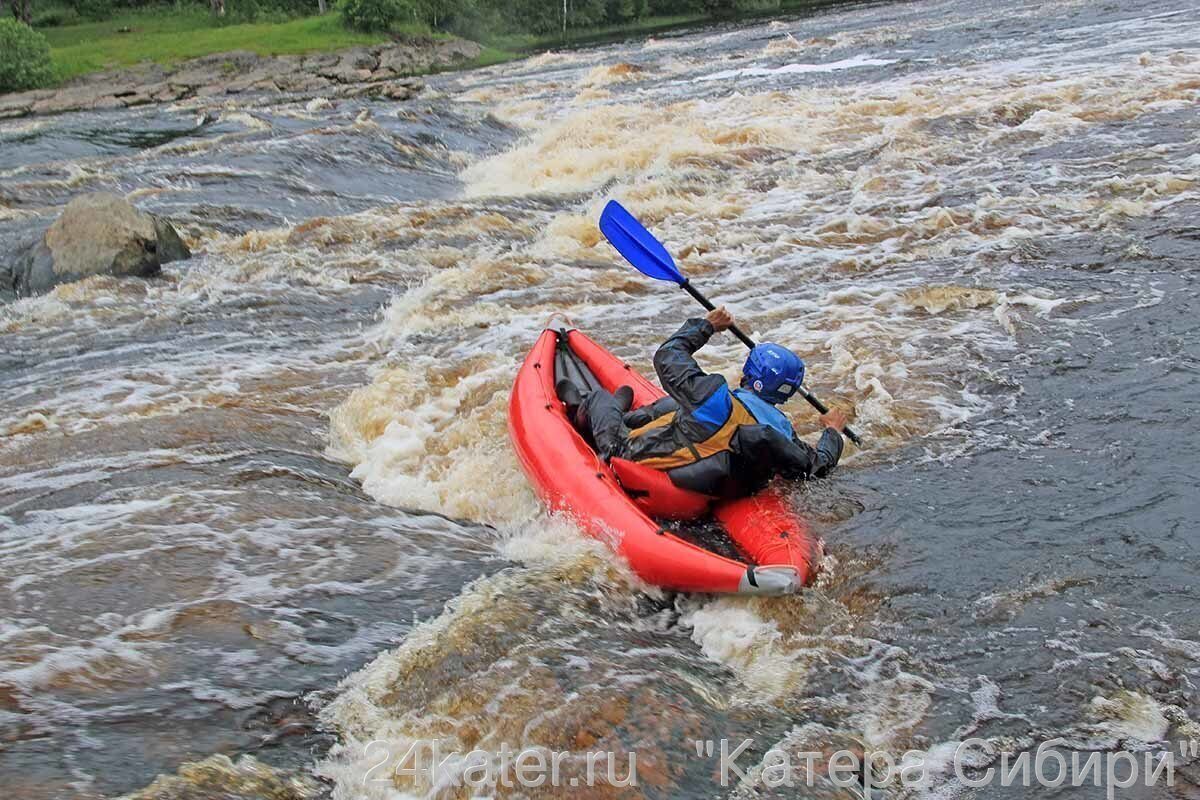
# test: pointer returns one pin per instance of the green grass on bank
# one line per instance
(168, 36)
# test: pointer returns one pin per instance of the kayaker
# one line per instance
(708, 438)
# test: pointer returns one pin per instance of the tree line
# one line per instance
(476, 18)
(22, 10)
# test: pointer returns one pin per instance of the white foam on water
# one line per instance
(798, 69)
(417, 443)
(378, 720)
(1131, 715)
(555, 540)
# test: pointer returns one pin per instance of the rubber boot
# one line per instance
(624, 396)
(569, 393)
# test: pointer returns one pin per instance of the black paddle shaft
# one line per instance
(746, 340)
(704, 301)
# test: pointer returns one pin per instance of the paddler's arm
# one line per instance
(829, 447)
(790, 458)
(677, 369)
(827, 453)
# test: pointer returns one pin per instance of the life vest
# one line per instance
(765, 413)
(724, 411)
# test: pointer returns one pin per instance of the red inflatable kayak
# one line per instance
(630, 506)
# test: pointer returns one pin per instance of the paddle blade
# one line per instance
(637, 244)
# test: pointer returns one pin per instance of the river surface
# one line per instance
(265, 505)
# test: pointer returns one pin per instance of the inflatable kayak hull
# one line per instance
(571, 478)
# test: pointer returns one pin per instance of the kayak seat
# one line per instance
(652, 491)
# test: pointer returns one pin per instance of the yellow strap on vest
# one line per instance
(717, 443)
(657, 422)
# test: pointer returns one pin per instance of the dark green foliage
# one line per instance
(478, 18)
(375, 15)
(671, 7)
(24, 57)
(56, 17)
(93, 9)
(236, 11)
(20, 10)
(268, 10)
(757, 5)
(533, 16)
(721, 9)
(727, 9)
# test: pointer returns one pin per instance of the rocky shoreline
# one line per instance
(385, 70)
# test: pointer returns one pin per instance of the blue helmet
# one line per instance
(773, 372)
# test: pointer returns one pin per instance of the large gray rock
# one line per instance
(20, 105)
(403, 89)
(415, 55)
(97, 234)
(353, 66)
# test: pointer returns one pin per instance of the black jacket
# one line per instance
(756, 453)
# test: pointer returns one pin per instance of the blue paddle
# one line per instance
(647, 254)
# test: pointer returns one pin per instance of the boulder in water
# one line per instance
(97, 234)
